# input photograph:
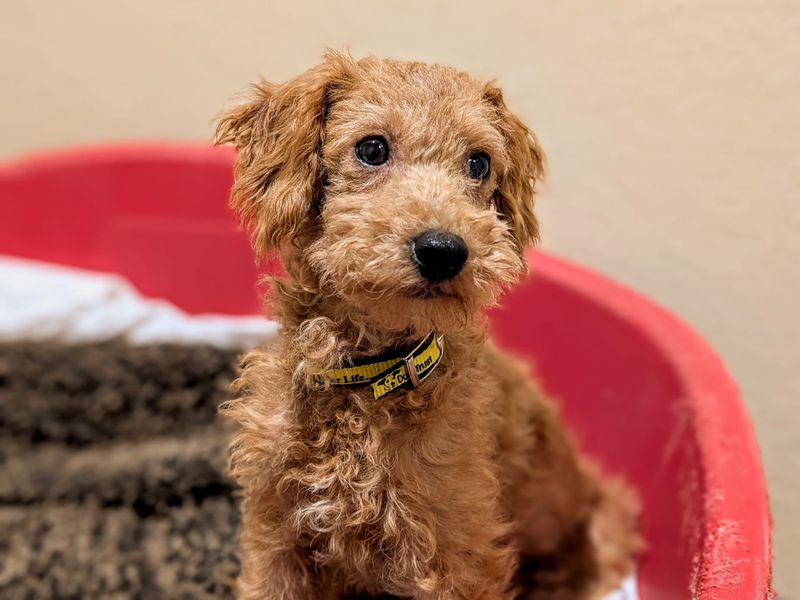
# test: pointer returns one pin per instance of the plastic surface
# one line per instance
(645, 394)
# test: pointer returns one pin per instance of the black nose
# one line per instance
(438, 255)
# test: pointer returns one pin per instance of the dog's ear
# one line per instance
(278, 135)
(516, 186)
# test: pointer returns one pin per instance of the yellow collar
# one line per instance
(388, 375)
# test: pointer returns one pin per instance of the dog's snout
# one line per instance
(439, 255)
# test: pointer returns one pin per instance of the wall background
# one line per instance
(672, 129)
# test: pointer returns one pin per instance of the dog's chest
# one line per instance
(349, 493)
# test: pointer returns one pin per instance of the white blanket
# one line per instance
(49, 303)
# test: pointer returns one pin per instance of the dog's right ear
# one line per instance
(278, 135)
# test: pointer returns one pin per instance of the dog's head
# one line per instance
(405, 190)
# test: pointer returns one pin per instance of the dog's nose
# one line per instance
(439, 255)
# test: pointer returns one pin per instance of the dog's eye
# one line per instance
(372, 151)
(479, 165)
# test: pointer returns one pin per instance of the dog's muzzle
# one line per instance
(439, 255)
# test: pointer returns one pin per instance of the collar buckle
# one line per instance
(412, 370)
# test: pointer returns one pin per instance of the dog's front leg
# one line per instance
(267, 575)
(473, 574)
(465, 554)
(273, 567)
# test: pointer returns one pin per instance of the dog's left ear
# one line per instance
(516, 187)
(278, 134)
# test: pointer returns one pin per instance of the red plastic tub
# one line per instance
(645, 394)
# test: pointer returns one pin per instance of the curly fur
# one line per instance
(450, 489)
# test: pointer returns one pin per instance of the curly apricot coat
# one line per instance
(466, 487)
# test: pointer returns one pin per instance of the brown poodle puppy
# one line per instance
(400, 197)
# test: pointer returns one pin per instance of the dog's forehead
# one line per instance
(414, 83)
(415, 102)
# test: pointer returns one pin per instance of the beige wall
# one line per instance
(673, 132)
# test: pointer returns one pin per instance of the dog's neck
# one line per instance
(328, 333)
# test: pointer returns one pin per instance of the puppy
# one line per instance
(385, 446)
